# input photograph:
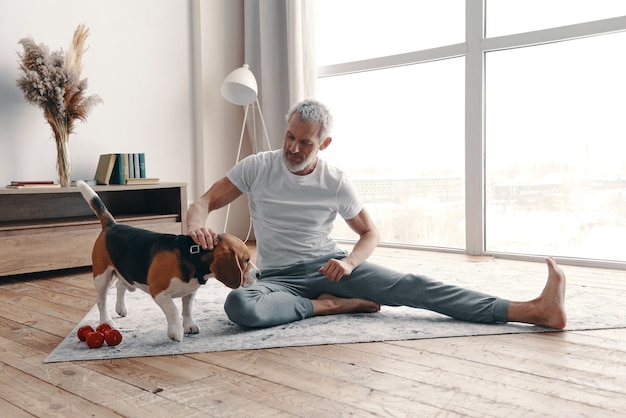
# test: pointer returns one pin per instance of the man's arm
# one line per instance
(219, 195)
(369, 237)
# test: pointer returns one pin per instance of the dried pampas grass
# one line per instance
(52, 81)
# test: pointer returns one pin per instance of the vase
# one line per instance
(64, 164)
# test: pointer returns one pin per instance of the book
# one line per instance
(33, 186)
(131, 165)
(117, 176)
(126, 158)
(138, 180)
(142, 165)
(30, 182)
(136, 165)
(106, 163)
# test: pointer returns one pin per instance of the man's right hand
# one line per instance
(206, 238)
(219, 195)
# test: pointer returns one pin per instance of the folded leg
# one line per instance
(266, 305)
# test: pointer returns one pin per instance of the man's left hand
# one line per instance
(334, 269)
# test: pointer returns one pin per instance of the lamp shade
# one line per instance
(240, 87)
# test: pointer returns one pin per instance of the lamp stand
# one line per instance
(249, 107)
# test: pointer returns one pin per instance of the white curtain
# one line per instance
(302, 62)
(280, 53)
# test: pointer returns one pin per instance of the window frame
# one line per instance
(474, 48)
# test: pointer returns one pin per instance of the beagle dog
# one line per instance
(166, 266)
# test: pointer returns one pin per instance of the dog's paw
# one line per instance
(120, 308)
(175, 332)
(107, 320)
(190, 327)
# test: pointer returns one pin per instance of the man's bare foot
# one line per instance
(551, 302)
(549, 308)
(327, 304)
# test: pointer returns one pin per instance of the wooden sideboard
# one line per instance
(44, 229)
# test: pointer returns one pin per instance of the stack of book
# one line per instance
(123, 169)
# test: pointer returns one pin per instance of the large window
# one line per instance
(556, 149)
(468, 127)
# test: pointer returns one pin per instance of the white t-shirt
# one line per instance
(293, 215)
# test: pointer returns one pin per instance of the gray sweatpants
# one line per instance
(284, 295)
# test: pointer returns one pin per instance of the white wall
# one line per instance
(219, 122)
(160, 88)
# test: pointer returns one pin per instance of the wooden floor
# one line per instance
(556, 374)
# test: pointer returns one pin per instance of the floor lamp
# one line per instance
(240, 88)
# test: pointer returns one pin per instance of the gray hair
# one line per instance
(314, 112)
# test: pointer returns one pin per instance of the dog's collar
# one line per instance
(195, 250)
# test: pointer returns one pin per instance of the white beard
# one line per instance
(296, 168)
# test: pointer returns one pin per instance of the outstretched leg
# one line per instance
(548, 309)
(370, 285)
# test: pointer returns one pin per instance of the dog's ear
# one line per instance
(227, 267)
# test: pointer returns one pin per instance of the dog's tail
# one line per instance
(96, 204)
